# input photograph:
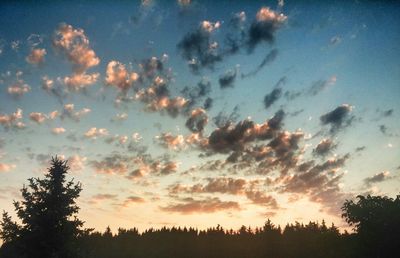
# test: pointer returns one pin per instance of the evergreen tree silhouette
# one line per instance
(49, 226)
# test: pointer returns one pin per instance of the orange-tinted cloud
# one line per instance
(12, 121)
(207, 205)
(36, 57)
(74, 44)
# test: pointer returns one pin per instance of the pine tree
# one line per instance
(49, 226)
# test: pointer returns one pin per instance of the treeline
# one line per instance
(48, 227)
(295, 240)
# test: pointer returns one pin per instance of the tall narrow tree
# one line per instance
(49, 225)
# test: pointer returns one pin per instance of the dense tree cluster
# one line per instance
(296, 240)
(49, 228)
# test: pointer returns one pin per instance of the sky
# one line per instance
(198, 113)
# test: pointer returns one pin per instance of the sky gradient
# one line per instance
(201, 113)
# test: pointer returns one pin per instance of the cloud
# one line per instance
(135, 166)
(184, 2)
(208, 103)
(215, 185)
(97, 198)
(264, 27)
(18, 89)
(152, 166)
(119, 77)
(197, 120)
(195, 94)
(268, 59)
(69, 112)
(272, 97)
(227, 79)
(58, 130)
(12, 121)
(113, 164)
(234, 137)
(335, 40)
(387, 113)
(74, 44)
(261, 198)
(4, 167)
(315, 88)
(49, 87)
(324, 147)
(377, 178)
(94, 133)
(170, 141)
(157, 98)
(197, 48)
(132, 199)
(321, 85)
(36, 57)
(319, 182)
(337, 118)
(80, 81)
(77, 162)
(40, 118)
(120, 117)
(361, 148)
(37, 117)
(237, 21)
(152, 67)
(207, 205)
(104, 197)
(222, 119)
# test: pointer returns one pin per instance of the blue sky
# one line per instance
(330, 78)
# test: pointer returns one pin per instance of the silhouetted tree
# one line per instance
(49, 226)
(377, 222)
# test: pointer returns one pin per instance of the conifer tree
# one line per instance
(49, 226)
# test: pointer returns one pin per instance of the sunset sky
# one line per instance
(200, 113)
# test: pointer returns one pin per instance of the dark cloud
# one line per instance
(233, 137)
(337, 118)
(387, 113)
(197, 121)
(197, 48)
(227, 79)
(132, 199)
(383, 129)
(200, 51)
(151, 67)
(377, 178)
(272, 97)
(261, 198)
(208, 103)
(315, 88)
(113, 164)
(268, 59)
(320, 85)
(195, 94)
(319, 182)
(207, 205)
(324, 147)
(157, 99)
(222, 118)
(263, 29)
(134, 165)
(214, 185)
(361, 148)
